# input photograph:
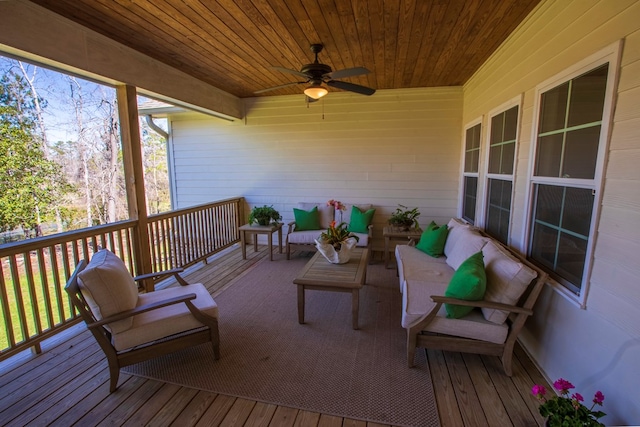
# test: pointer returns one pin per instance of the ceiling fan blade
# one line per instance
(290, 71)
(278, 87)
(348, 72)
(352, 87)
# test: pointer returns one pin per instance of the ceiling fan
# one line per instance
(317, 74)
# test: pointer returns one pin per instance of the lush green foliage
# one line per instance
(565, 410)
(336, 235)
(263, 215)
(30, 182)
(405, 217)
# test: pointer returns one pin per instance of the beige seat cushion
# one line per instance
(165, 321)
(306, 237)
(109, 288)
(456, 230)
(507, 279)
(326, 212)
(363, 239)
(473, 326)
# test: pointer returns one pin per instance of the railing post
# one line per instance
(134, 177)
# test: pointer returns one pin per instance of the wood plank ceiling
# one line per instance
(231, 44)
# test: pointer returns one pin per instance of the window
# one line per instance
(570, 142)
(502, 148)
(470, 174)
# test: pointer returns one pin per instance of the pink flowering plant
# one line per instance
(568, 410)
(337, 205)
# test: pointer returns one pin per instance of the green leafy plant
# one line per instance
(337, 235)
(404, 217)
(565, 410)
(263, 215)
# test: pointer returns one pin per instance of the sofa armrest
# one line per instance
(481, 304)
(292, 226)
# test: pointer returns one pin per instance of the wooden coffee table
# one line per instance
(319, 274)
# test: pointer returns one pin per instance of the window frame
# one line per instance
(463, 174)
(484, 206)
(611, 54)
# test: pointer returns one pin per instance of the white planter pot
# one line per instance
(336, 257)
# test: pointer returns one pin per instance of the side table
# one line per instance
(260, 229)
(397, 233)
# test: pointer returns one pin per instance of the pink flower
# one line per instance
(337, 204)
(538, 391)
(578, 397)
(563, 386)
(598, 398)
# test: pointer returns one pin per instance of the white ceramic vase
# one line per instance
(332, 255)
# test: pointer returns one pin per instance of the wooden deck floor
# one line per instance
(67, 384)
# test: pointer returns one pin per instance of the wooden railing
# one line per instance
(33, 303)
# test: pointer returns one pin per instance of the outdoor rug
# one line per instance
(321, 366)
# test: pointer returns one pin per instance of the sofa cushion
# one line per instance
(363, 239)
(307, 237)
(468, 283)
(326, 212)
(433, 239)
(473, 326)
(307, 220)
(165, 321)
(415, 265)
(455, 227)
(468, 242)
(109, 288)
(507, 279)
(360, 220)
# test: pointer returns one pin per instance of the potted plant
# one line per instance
(263, 215)
(336, 243)
(565, 410)
(405, 218)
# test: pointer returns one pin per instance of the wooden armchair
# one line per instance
(131, 328)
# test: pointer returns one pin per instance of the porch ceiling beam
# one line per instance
(33, 32)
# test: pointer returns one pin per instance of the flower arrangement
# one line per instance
(337, 205)
(565, 410)
(336, 236)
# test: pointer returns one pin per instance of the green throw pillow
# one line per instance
(360, 221)
(433, 239)
(307, 220)
(468, 283)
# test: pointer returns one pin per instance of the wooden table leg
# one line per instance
(280, 239)
(386, 252)
(301, 304)
(255, 242)
(243, 242)
(355, 304)
(270, 239)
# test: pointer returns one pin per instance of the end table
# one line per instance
(260, 229)
(397, 233)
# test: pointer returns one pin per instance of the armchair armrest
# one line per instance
(292, 226)
(482, 304)
(159, 274)
(142, 309)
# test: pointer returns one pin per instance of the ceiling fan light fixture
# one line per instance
(315, 91)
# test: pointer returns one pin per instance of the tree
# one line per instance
(30, 182)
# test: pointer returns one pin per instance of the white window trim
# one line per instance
(610, 54)
(484, 197)
(463, 174)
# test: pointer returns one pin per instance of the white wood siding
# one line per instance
(395, 147)
(596, 348)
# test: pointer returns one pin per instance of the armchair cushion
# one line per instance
(326, 212)
(109, 289)
(156, 324)
(307, 220)
(360, 220)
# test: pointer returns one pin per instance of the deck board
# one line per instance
(68, 383)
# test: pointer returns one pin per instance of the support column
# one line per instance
(134, 178)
